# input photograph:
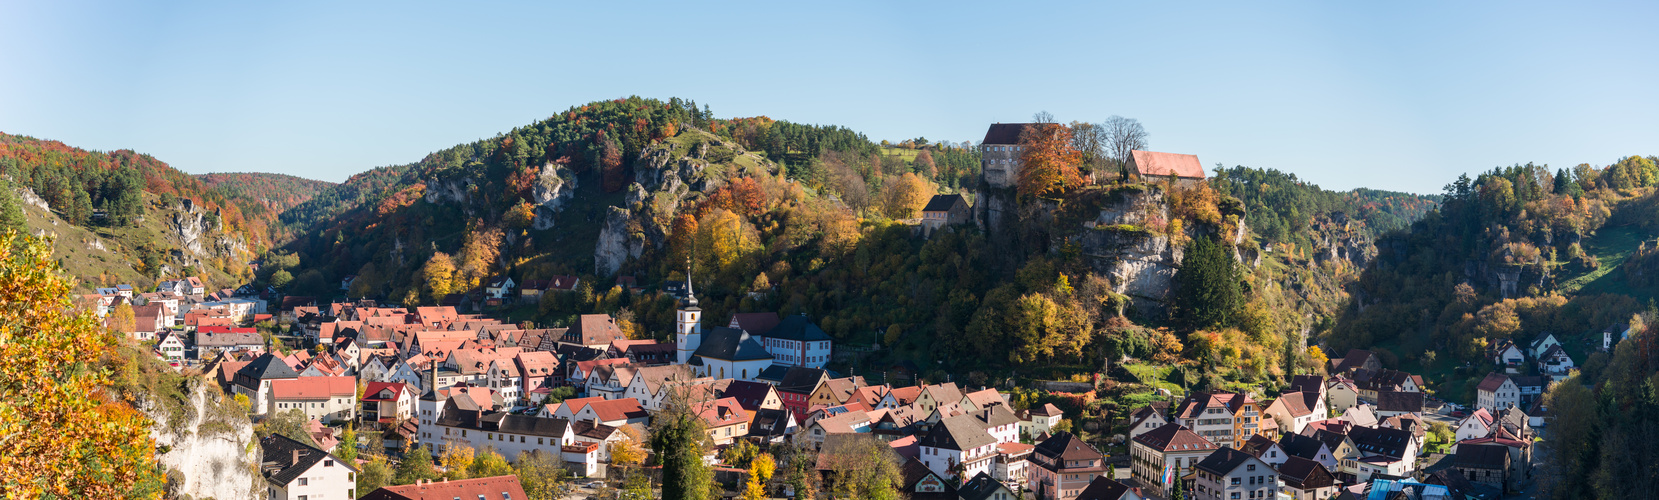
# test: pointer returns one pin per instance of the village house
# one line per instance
(1497, 392)
(1341, 394)
(498, 287)
(1157, 457)
(1555, 362)
(461, 424)
(170, 346)
(1292, 411)
(1224, 418)
(148, 321)
(295, 471)
(1228, 473)
(958, 440)
(835, 392)
(1380, 451)
(934, 395)
(1308, 448)
(1507, 356)
(725, 419)
(491, 488)
(432, 404)
(1265, 449)
(985, 487)
(921, 483)
(1356, 359)
(1148, 418)
(329, 399)
(1484, 464)
(945, 210)
(1013, 465)
(254, 380)
(1542, 344)
(1150, 166)
(1105, 488)
(1393, 403)
(1305, 479)
(852, 422)
(1062, 466)
(388, 403)
(1476, 425)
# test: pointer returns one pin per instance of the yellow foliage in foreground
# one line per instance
(63, 433)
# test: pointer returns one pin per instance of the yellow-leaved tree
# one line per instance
(63, 432)
(905, 197)
(439, 274)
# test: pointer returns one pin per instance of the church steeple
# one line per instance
(690, 294)
(688, 327)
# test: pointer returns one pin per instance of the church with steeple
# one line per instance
(722, 352)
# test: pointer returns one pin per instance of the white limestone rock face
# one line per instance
(555, 187)
(617, 243)
(210, 448)
(30, 198)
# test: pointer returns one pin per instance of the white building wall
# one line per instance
(328, 479)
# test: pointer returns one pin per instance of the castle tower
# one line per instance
(688, 329)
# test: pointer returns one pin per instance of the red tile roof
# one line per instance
(314, 387)
(491, 488)
(1155, 164)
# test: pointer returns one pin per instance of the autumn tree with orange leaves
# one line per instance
(63, 431)
(1048, 160)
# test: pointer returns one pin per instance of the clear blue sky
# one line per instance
(1393, 95)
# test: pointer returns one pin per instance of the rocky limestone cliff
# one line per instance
(664, 178)
(555, 187)
(1141, 263)
(617, 243)
(29, 197)
(1338, 239)
(201, 236)
(209, 445)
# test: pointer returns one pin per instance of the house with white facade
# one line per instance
(1555, 362)
(254, 380)
(170, 345)
(508, 433)
(328, 399)
(1543, 343)
(958, 440)
(1228, 473)
(388, 402)
(295, 471)
(1497, 392)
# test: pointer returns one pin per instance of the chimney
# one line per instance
(446, 479)
(297, 455)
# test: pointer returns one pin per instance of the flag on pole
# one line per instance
(1169, 473)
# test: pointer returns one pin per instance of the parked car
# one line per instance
(1458, 414)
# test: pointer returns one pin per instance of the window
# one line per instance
(304, 481)
(328, 463)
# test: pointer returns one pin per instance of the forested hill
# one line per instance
(1283, 208)
(130, 217)
(263, 196)
(1509, 254)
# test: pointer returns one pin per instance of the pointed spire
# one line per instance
(690, 294)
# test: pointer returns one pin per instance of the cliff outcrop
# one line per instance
(205, 443)
(666, 176)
